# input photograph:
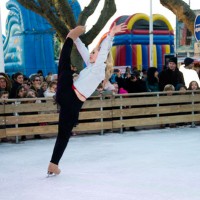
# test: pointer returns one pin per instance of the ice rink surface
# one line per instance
(143, 165)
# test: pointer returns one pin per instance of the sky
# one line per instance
(154, 164)
(124, 7)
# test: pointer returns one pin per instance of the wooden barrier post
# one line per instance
(101, 109)
(2, 120)
(157, 105)
(121, 118)
(16, 125)
(193, 124)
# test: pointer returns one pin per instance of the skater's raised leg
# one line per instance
(70, 105)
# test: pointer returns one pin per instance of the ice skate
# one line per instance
(76, 32)
(53, 170)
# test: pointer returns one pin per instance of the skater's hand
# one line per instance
(76, 32)
(118, 29)
(80, 29)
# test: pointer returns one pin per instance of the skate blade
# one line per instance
(50, 174)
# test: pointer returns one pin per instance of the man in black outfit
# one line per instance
(171, 75)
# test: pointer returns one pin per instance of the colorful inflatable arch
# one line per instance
(132, 47)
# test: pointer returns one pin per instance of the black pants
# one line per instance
(69, 103)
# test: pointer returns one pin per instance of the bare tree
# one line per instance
(60, 15)
(182, 11)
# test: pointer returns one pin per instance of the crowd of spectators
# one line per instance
(171, 78)
(131, 81)
(20, 86)
(150, 80)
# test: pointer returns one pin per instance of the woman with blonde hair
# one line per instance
(169, 88)
(71, 94)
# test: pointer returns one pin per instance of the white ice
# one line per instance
(143, 165)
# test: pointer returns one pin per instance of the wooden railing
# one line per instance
(21, 117)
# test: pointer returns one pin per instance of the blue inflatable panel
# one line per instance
(159, 57)
(142, 39)
(172, 48)
(145, 57)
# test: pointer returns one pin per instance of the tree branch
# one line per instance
(65, 12)
(107, 12)
(182, 11)
(61, 29)
(87, 11)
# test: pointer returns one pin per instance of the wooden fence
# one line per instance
(25, 117)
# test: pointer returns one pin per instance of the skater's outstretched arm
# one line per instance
(107, 43)
(82, 50)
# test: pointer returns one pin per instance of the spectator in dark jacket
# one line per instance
(18, 81)
(152, 80)
(119, 79)
(134, 84)
(171, 75)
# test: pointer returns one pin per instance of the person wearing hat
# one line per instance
(189, 73)
(5, 83)
(17, 82)
(171, 75)
(2, 83)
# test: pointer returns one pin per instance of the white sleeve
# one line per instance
(82, 50)
(103, 52)
(196, 77)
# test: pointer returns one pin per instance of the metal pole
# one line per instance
(151, 36)
(101, 109)
(1, 49)
(193, 123)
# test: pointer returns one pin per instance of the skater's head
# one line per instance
(94, 54)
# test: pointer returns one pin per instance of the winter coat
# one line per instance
(13, 92)
(135, 86)
(170, 77)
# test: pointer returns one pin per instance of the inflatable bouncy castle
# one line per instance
(132, 47)
(29, 45)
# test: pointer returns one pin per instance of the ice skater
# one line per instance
(71, 94)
